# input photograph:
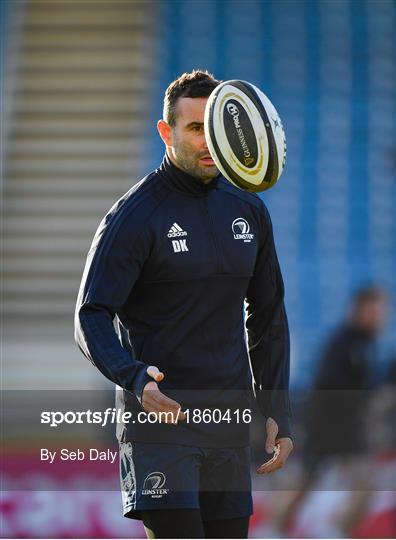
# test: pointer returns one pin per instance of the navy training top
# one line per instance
(173, 262)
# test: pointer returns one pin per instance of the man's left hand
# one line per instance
(281, 448)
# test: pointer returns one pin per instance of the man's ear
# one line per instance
(165, 132)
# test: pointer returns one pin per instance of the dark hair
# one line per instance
(368, 293)
(195, 84)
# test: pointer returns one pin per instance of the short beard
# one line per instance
(188, 162)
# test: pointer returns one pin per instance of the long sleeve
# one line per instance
(113, 265)
(268, 333)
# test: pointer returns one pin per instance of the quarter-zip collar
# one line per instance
(184, 182)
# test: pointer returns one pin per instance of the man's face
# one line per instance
(372, 315)
(189, 150)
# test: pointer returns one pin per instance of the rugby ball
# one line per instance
(245, 135)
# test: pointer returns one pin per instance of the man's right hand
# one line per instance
(153, 400)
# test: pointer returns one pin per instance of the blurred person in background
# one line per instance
(335, 428)
(348, 368)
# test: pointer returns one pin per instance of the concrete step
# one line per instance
(46, 363)
(81, 81)
(27, 186)
(78, 116)
(54, 305)
(49, 226)
(23, 127)
(44, 146)
(83, 15)
(82, 38)
(38, 329)
(68, 206)
(21, 246)
(65, 165)
(49, 290)
(45, 186)
(126, 59)
(76, 144)
(65, 103)
(75, 71)
(44, 273)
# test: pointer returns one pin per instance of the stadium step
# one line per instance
(75, 142)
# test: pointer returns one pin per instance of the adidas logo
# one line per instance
(176, 230)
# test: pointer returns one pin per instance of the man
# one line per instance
(167, 264)
(347, 370)
(337, 410)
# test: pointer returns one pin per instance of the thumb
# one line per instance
(155, 373)
(272, 432)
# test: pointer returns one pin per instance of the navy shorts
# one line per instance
(160, 476)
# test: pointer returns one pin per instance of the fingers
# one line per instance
(272, 464)
(154, 401)
(283, 447)
(155, 373)
(160, 402)
(167, 410)
(272, 432)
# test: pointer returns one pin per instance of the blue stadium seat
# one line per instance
(329, 68)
